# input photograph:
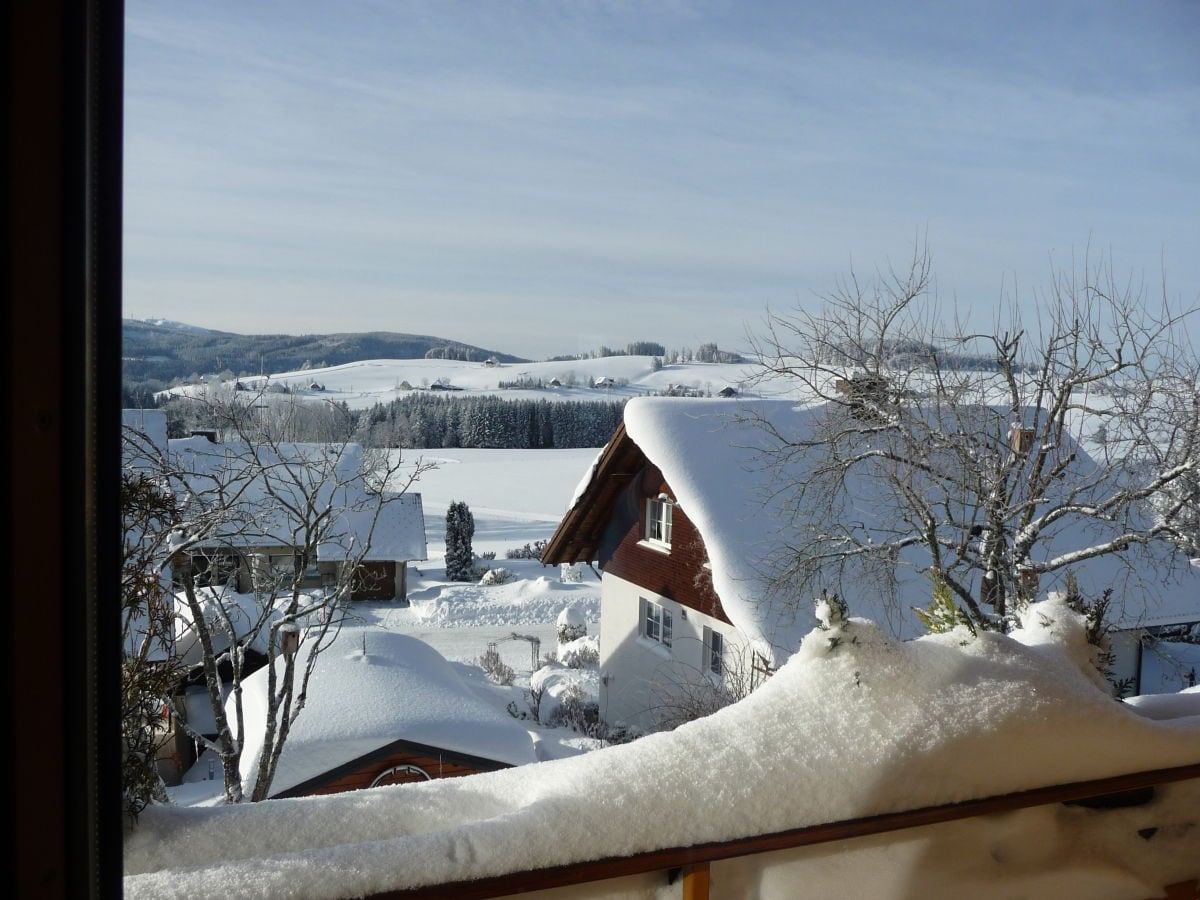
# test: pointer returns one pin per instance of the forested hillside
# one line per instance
(163, 352)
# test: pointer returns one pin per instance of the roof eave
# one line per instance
(577, 538)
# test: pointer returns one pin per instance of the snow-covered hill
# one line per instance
(363, 384)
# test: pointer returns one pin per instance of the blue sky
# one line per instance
(545, 177)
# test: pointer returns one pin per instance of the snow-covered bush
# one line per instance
(582, 653)
(562, 696)
(570, 573)
(529, 551)
(570, 625)
(499, 575)
(576, 711)
(497, 670)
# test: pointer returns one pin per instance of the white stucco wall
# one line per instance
(636, 672)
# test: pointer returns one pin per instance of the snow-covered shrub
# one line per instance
(561, 696)
(570, 625)
(489, 555)
(581, 653)
(499, 575)
(495, 667)
(570, 573)
(529, 551)
(576, 711)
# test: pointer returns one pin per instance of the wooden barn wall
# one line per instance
(374, 581)
(362, 779)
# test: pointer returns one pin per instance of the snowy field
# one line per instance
(516, 497)
(363, 384)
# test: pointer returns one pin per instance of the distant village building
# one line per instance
(396, 531)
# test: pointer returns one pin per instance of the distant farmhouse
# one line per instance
(393, 533)
(681, 511)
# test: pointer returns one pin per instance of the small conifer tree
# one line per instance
(943, 614)
(460, 528)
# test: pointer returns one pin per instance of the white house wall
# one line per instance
(636, 671)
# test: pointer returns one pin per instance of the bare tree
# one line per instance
(268, 539)
(967, 447)
(680, 692)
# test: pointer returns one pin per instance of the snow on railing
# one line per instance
(689, 866)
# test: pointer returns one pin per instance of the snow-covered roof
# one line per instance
(400, 688)
(150, 422)
(399, 529)
(329, 474)
(712, 456)
(848, 728)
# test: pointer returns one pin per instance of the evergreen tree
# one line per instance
(460, 528)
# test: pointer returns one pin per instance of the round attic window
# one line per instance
(401, 775)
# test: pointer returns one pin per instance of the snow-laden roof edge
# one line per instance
(400, 688)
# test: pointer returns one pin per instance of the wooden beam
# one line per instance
(696, 882)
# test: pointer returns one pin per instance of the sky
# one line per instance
(543, 178)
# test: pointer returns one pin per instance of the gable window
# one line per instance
(714, 651)
(656, 623)
(658, 520)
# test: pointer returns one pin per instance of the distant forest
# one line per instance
(162, 355)
(423, 420)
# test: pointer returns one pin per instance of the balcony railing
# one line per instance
(689, 866)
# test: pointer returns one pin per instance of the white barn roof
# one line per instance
(331, 473)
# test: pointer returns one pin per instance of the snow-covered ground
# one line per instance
(516, 498)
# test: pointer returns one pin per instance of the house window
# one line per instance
(658, 520)
(656, 623)
(714, 651)
(214, 569)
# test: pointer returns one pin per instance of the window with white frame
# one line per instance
(656, 623)
(658, 520)
(714, 651)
